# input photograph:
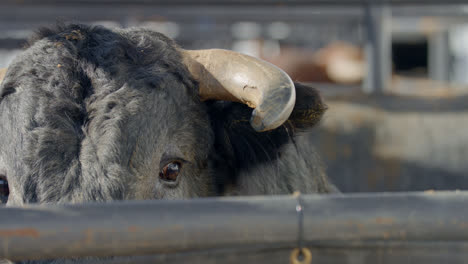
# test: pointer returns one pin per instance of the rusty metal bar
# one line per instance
(164, 227)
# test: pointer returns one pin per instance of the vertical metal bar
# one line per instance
(377, 47)
(438, 56)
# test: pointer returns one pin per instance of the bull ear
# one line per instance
(239, 146)
(309, 107)
(2, 73)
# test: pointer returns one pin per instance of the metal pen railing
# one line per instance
(332, 225)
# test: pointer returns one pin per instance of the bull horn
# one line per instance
(231, 76)
(2, 73)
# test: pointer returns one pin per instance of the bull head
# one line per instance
(231, 76)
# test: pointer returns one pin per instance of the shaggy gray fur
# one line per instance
(92, 114)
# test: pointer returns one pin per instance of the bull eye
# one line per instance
(170, 171)
(4, 190)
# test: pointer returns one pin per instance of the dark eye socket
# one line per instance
(4, 190)
(170, 171)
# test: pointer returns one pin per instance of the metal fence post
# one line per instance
(377, 47)
(439, 55)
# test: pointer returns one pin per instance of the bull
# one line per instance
(93, 114)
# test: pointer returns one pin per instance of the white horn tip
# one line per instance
(277, 109)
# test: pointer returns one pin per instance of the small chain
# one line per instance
(300, 224)
(300, 251)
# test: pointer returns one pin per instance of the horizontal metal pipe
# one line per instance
(155, 227)
(29, 17)
(235, 2)
(11, 15)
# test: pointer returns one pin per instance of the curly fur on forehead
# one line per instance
(77, 83)
(111, 49)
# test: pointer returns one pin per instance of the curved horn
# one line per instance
(231, 76)
(2, 73)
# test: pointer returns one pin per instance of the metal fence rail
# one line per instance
(404, 224)
(236, 2)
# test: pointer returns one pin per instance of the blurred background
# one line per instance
(394, 73)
